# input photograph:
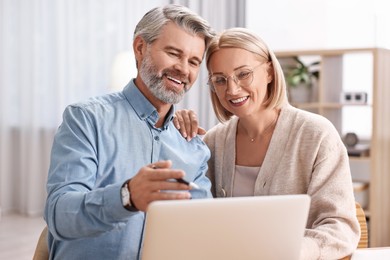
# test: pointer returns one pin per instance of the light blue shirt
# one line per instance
(100, 144)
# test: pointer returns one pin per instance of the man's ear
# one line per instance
(139, 47)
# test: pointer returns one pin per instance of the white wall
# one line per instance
(318, 24)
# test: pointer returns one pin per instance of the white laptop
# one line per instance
(266, 227)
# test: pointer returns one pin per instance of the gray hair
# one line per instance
(151, 24)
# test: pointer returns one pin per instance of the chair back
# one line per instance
(42, 250)
(363, 242)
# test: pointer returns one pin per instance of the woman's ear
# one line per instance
(270, 72)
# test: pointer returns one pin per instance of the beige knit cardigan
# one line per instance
(305, 155)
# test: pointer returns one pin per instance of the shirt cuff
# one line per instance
(113, 203)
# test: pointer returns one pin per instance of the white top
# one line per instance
(244, 180)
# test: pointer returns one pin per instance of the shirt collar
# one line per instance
(142, 106)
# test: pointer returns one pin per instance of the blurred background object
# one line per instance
(123, 69)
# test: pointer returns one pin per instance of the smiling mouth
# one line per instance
(239, 100)
(177, 81)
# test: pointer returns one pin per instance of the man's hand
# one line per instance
(186, 122)
(155, 182)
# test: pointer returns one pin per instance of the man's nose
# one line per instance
(183, 67)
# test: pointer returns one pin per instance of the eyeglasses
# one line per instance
(242, 77)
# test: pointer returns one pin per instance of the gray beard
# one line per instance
(155, 83)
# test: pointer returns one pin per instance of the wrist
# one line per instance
(126, 197)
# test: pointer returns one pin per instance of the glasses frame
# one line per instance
(237, 81)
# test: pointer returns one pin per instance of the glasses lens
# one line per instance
(218, 80)
(244, 77)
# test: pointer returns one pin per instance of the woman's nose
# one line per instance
(231, 86)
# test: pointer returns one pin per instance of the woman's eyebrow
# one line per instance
(239, 67)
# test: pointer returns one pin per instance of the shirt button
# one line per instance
(156, 138)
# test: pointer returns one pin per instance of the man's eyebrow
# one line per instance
(171, 48)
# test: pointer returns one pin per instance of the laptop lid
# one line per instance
(263, 227)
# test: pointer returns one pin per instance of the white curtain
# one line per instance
(52, 53)
(55, 52)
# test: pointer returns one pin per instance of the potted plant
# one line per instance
(300, 79)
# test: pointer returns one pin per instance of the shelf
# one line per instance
(359, 159)
(314, 105)
(330, 52)
(306, 105)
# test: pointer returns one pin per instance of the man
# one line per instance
(113, 155)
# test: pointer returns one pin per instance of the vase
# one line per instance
(301, 93)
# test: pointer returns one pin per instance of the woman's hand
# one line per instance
(186, 121)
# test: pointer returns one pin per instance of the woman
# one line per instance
(264, 146)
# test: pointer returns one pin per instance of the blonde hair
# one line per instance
(247, 40)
